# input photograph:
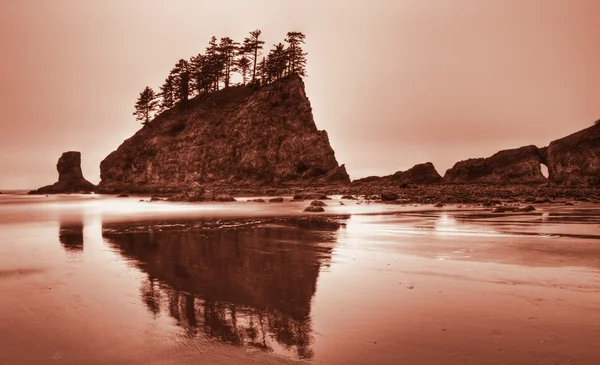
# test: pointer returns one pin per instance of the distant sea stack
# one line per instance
(421, 174)
(575, 159)
(70, 176)
(239, 137)
(515, 166)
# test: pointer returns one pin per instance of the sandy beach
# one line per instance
(97, 279)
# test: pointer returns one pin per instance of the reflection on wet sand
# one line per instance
(70, 235)
(546, 238)
(245, 283)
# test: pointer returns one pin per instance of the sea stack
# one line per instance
(239, 137)
(70, 176)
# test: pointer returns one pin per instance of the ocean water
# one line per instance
(91, 279)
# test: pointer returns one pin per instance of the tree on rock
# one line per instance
(181, 77)
(146, 105)
(228, 49)
(167, 94)
(243, 65)
(296, 56)
(215, 64)
(200, 74)
(276, 63)
(252, 46)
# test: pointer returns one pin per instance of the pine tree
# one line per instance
(227, 50)
(146, 105)
(181, 77)
(297, 57)
(196, 81)
(167, 93)
(215, 63)
(263, 72)
(277, 61)
(243, 65)
(252, 46)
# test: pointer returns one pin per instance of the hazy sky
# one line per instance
(394, 83)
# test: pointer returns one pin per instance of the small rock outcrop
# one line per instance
(70, 176)
(314, 209)
(575, 159)
(421, 174)
(515, 166)
(240, 137)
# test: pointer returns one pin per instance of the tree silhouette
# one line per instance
(196, 77)
(277, 62)
(181, 76)
(204, 73)
(215, 63)
(146, 105)
(243, 66)
(227, 50)
(263, 71)
(252, 46)
(167, 93)
(296, 56)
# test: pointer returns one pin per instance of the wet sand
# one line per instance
(97, 280)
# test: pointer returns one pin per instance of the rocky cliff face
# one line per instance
(575, 159)
(70, 177)
(421, 174)
(238, 137)
(521, 165)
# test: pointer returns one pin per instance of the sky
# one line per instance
(394, 83)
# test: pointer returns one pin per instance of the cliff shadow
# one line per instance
(247, 283)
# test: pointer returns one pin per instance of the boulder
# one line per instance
(70, 176)
(224, 198)
(276, 200)
(317, 203)
(314, 209)
(529, 208)
(504, 209)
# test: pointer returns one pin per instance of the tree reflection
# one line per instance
(247, 285)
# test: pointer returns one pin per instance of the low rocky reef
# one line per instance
(70, 176)
(422, 174)
(571, 161)
(520, 165)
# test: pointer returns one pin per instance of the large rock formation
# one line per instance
(575, 159)
(521, 165)
(422, 174)
(238, 137)
(70, 177)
